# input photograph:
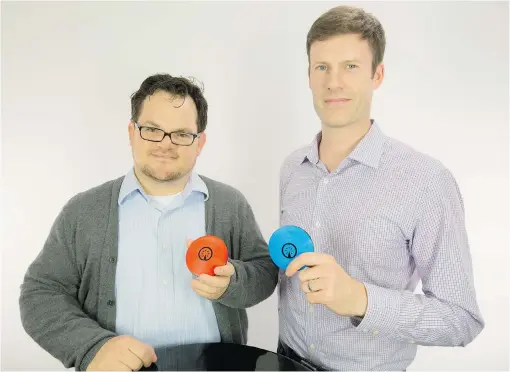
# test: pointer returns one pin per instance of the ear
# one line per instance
(309, 82)
(201, 142)
(131, 132)
(378, 76)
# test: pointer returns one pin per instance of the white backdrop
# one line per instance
(68, 70)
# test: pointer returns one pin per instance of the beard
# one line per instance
(159, 176)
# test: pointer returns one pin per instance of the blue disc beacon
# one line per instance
(288, 242)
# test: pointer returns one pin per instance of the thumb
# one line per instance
(188, 242)
(226, 270)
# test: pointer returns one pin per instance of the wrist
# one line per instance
(360, 299)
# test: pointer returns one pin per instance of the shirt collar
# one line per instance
(197, 184)
(368, 151)
(131, 186)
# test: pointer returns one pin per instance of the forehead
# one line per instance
(341, 48)
(169, 111)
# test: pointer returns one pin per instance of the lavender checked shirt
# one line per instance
(390, 216)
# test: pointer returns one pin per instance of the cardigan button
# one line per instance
(111, 302)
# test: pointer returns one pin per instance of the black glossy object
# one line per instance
(221, 357)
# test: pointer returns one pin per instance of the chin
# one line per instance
(162, 175)
(336, 123)
(169, 177)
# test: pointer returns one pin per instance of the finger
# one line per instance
(316, 297)
(188, 242)
(109, 362)
(143, 351)
(315, 285)
(204, 294)
(213, 281)
(311, 273)
(197, 285)
(118, 366)
(131, 360)
(226, 270)
(307, 259)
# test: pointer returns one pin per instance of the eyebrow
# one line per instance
(153, 124)
(187, 130)
(344, 61)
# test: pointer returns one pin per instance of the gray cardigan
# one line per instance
(67, 299)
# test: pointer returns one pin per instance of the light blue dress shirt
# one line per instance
(155, 301)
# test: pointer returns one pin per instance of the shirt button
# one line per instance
(165, 282)
(326, 181)
(411, 341)
(365, 330)
(376, 332)
(112, 259)
(111, 302)
(317, 224)
(310, 308)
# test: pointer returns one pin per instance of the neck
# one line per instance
(337, 143)
(160, 188)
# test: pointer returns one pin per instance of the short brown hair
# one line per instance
(176, 86)
(349, 20)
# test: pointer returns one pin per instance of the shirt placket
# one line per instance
(318, 237)
(165, 277)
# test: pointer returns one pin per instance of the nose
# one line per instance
(335, 79)
(167, 142)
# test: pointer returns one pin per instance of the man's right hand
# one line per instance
(123, 353)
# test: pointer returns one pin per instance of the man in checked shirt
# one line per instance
(381, 216)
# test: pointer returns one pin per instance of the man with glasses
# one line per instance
(111, 282)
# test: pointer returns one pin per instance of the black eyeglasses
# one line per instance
(157, 135)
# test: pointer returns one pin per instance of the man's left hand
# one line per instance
(325, 282)
(213, 287)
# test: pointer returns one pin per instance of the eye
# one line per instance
(351, 66)
(321, 67)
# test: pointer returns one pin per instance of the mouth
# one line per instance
(336, 100)
(165, 156)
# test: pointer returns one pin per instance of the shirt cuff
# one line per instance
(383, 309)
